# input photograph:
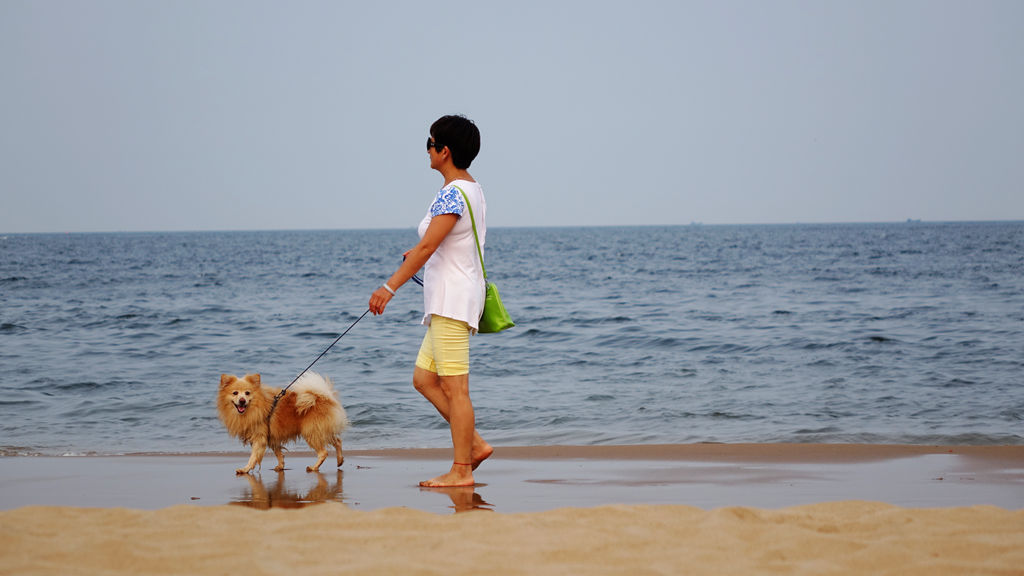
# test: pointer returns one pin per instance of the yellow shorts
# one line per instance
(445, 348)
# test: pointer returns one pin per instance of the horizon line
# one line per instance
(694, 224)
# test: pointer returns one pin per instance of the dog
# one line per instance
(309, 409)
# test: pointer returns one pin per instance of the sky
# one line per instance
(146, 115)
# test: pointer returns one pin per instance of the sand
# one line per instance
(696, 509)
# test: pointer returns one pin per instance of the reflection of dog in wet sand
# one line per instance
(278, 495)
(309, 409)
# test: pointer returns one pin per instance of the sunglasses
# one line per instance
(432, 144)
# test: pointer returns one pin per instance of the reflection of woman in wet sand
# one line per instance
(464, 498)
(453, 291)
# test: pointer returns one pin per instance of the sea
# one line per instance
(114, 343)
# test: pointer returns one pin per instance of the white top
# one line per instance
(453, 281)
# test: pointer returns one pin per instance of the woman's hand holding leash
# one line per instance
(380, 298)
(407, 271)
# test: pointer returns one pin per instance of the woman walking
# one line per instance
(453, 291)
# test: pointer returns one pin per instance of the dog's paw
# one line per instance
(278, 468)
(311, 469)
(241, 472)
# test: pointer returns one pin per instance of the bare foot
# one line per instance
(460, 475)
(481, 453)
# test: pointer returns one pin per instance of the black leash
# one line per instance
(322, 354)
(281, 394)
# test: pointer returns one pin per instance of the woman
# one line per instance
(453, 292)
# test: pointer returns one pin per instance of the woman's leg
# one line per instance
(462, 423)
(429, 385)
(442, 376)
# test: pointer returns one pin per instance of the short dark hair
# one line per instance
(460, 135)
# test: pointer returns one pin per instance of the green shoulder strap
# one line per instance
(475, 237)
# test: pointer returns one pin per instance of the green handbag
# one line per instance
(494, 318)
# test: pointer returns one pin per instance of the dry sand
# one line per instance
(611, 531)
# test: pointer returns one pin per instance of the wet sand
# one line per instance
(704, 508)
(532, 479)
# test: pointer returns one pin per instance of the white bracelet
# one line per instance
(388, 288)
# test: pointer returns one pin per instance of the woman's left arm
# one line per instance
(436, 232)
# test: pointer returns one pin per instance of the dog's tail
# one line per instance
(312, 389)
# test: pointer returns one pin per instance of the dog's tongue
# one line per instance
(241, 409)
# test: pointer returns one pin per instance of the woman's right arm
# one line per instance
(415, 258)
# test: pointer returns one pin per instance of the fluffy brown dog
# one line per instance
(309, 409)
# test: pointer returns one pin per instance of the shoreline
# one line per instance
(695, 509)
(703, 451)
(537, 478)
(748, 452)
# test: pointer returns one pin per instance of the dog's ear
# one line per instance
(227, 380)
(253, 378)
